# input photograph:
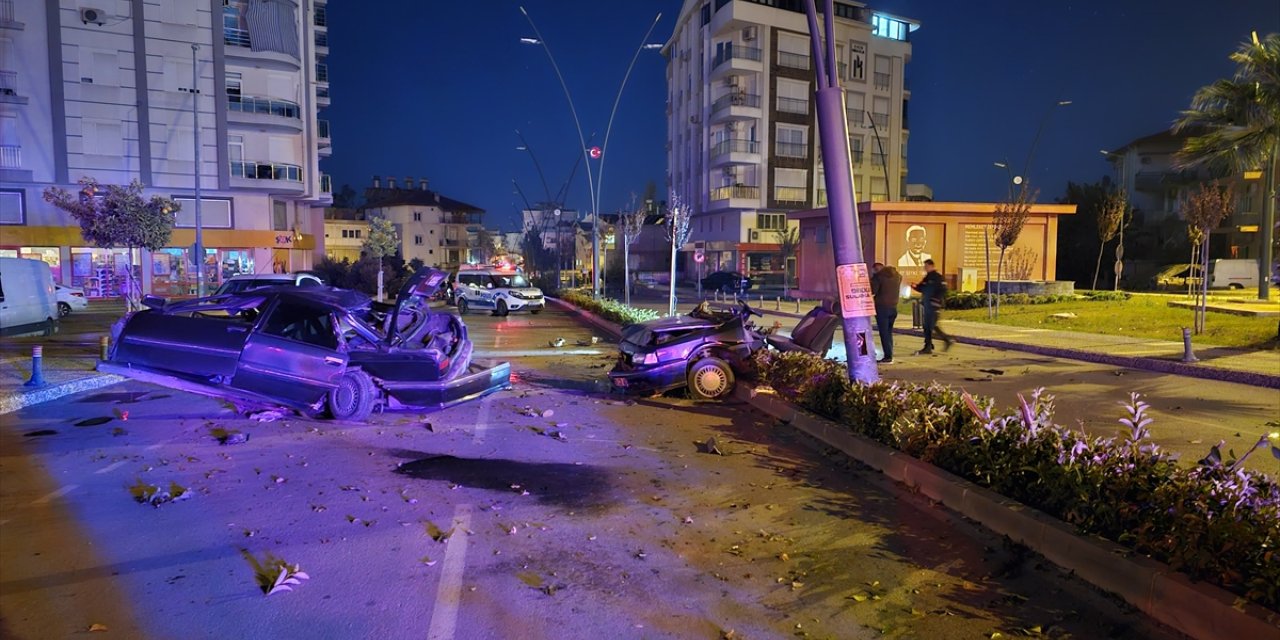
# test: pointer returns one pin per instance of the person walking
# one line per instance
(934, 291)
(886, 285)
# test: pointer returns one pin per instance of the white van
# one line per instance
(1233, 274)
(28, 301)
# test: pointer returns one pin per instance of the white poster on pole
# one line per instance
(854, 286)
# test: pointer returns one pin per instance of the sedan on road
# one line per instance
(313, 349)
(70, 299)
(727, 282)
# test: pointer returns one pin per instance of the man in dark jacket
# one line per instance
(934, 291)
(886, 286)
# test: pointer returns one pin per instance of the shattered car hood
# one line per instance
(678, 323)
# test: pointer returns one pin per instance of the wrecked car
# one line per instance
(708, 349)
(316, 349)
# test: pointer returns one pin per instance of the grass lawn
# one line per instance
(1141, 316)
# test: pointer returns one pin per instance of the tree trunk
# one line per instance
(1098, 268)
(671, 300)
(1204, 283)
(999, 280)
(626, 272)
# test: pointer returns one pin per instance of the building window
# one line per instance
(233, 86)
(882, 74)
(887, 27)
(346, 233)
(357, 233)
(12, 207)
(279, 216)
(417, 216)
(792, 141)
(215, 213)
(417, 240)
(771, 221)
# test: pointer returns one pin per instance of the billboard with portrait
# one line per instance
(908, 245)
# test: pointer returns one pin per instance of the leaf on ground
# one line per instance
(530, 578)
(548, 413)
(436, 533)
(858, 597)
(97, 627)
(427, 561)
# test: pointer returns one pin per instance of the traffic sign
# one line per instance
(699, 256)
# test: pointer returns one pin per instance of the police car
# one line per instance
(496, 289)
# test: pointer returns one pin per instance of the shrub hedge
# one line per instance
(972, 300)
(607, 308)
(1216, 521)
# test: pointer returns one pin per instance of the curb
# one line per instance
(23, 399)
(1200, 610)
(1173, 367)
(606, 326)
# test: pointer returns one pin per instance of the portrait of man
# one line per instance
(915, 254)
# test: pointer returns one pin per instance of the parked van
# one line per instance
(28, 301)
(1233, 274)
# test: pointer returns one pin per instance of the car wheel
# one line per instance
(462, 306)
(535, 311)
(1235, 286)
(64, 309)
(502, 309)
(50, 327)
(352, 400)
(710, 379)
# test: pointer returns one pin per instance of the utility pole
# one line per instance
(854, 287)
(195, 117)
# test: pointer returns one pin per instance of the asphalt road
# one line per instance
(548, 511)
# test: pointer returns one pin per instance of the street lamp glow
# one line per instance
(651, 46)
(530, 41)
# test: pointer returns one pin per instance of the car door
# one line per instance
(293, 354)
(479, 296)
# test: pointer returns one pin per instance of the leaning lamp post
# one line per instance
(853, 284)
(588, 154)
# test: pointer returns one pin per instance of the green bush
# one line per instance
(974, 300)
(1216, 522)
(609, 309)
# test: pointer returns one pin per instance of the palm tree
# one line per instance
(1237, 125)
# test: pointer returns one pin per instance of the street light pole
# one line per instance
(1034, 141)
(592, 184)
(195, 117)
(846, 240)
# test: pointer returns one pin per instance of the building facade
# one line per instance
(345, 231)
(438, 230)
(113, 93)
(742, 139)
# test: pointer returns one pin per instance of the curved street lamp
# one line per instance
(593, 181)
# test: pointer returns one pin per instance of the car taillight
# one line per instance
(648, 358)
(77, 294)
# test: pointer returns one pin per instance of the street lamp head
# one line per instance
(1063, 103)
(651, 46)
(1001, 165)
(529, 40)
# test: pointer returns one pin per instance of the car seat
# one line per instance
(813, 334)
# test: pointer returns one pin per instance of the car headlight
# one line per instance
(516, 294)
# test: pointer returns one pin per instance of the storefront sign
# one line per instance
(284, 240)
(854, 288)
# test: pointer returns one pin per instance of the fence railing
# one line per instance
(736, 100)
(792, 149)
(741, 53)
(268, 106)
(881, 80)
(266, 171)
(322, 129)
(322, 72)
(10, 156)
(790, 194)
(9, 83)
(793, 105)
(736, 191)
(236, 37)
(793, 60)
(735, 146)
(326, 183)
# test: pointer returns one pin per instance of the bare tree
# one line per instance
(678, 228)
(1204, 209)
(1110, 216)
(788, 247)
(630, 224)
(1009, 220)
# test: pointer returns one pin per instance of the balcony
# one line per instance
(793, 61)
(857, 118)
(7, 18)
(322, 40)
(728, 152)
(322, 72)
(736, 106)
(267, 113)
(880, 120)
(821, 200)
(266, 175)
(790, 194)
(737, 192)
(9, 88)
(881, 80)
(321, 18)
(798, 106)
(322, 96)
(322, 132)
(736, 60)
(326, 183)
(791, 149)
(239, 46)
(10, 156)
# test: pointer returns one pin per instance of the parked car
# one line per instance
(500, 290)
(28, 301)
(727, 282)
(70, 299)
(1233, 274)
(319, 350)
(708, 349)
(1177, 276)
(247, 281)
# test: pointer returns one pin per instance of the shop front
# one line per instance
(51, 255)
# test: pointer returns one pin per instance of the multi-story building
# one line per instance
(1157, 188)
(345, 230)
(113, 90)
(431, 227)
(742, 141)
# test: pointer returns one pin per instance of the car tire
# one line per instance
(462, 306)
(64, 309)
(353, 399)
(502, 309)
(710, 379)
(535, 311)
(1235, 286)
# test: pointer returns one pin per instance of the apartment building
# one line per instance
(742, 140)
(433, 228)
(1157, 188)
(345, 230)
(112, 90)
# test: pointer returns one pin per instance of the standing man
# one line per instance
(934, 291)
(886, 283)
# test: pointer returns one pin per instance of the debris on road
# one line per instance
(155, 496)
(557, 343)
(267, 415)
(273, 574)
(228, 436)
(710, 446)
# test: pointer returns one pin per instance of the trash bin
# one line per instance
(917, 321)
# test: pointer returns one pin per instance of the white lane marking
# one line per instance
(533, 353)
(444, 615)
(482, 419)
(155, 446)
(56, 494)
(111, 467)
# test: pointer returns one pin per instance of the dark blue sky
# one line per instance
(437, 90)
